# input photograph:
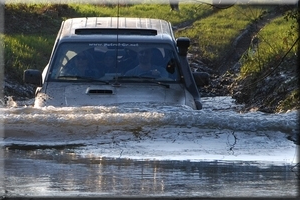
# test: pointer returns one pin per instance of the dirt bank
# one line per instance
(264, 92)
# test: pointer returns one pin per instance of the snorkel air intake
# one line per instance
(183, 44)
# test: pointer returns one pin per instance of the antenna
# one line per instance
(116, 83)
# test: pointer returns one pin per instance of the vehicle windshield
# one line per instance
(108, 61)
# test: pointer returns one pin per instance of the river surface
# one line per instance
(146, 150)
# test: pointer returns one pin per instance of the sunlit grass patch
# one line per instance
(23, 52)
(215, 33)
(273, 42)
(161, 11)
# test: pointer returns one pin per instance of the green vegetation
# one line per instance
(215, 34)
(272, 59)
(188, 12)
(275, 40)
(23, 52)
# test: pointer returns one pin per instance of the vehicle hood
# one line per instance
(86, 94)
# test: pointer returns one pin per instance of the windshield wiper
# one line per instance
(163, 84)
(143, 79)
(81, 78)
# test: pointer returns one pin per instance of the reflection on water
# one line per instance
(63, 171)
(149, 150)
(60, 173)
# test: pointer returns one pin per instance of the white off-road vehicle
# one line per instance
(110, 60)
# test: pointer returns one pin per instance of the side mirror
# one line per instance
(201, 79)
(171, 66)
(32, 76)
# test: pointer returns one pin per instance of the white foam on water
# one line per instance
(138, 131)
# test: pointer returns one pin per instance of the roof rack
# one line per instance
(109, 31)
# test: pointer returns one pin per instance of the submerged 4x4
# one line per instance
(110, 60)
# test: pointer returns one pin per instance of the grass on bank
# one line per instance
(272, 43)
(215, 34)
(275, 51)
(23, 52)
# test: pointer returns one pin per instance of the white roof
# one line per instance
(161, 26)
